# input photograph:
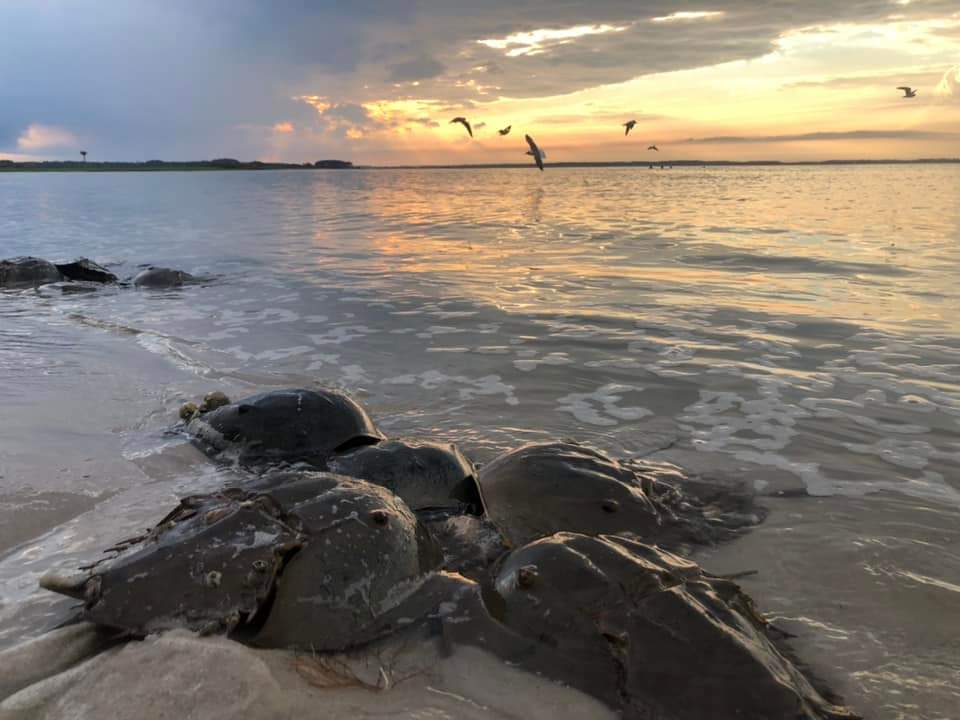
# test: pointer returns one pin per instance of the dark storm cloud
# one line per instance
(745, 29)
(135, 79)
(198, 78)
(418, 69)
(814, 136)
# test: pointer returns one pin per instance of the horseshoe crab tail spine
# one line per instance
(70, 585)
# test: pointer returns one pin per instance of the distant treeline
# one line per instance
(217, 164)
(231, 164)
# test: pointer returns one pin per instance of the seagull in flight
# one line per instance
(537, 153)
(629, 126)
(463, 121)
(654, 147)
(908, 92)
(506, 130)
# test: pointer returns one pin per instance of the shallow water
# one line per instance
(797, 328)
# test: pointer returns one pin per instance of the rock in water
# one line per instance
(159, 278)
(312, 564)
(86, 270)
(285, 426)
(24, 272)
(428, 476)
(543, 488)
(650, 634)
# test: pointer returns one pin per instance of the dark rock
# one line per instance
(86, 270)
(24, 272)
(285, 426)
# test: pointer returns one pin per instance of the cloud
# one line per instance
(142, 79)
(421, 68)
(823, 136)
(949, 86)
(535, 42)
(688, 16)
(44, 137)
(351, 112)
(283, 127)
(915, 77)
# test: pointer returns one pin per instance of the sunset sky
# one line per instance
(377, 82)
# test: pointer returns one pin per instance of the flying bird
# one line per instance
(463, 121)
(537, 153)
(629, 126)
(506, 130)
(908, 92)
(654, 147)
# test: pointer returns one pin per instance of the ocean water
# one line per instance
(796, 329)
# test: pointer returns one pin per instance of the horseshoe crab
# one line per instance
(208, 565)
(86, 270)
(470, 544)
(25, 272)
(650, 633)
(544, 488)
(159, 278)
(313, 563)
(285, 426)
(428, 476)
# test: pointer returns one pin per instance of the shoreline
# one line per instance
(207, 166)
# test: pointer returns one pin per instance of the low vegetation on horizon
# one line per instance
(217, 164)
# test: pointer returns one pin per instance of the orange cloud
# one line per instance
(949, 86)
(283, 127)
(42, 137)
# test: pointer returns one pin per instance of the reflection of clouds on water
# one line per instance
(474, 387)
(527, 364)
(266, 356)
(319, 360)
(913, 454)
(439, 330)
(602, 406)
(850, 433)
(535, 206)
(340, 335)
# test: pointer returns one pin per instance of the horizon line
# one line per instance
(633, 163)
(281, 164)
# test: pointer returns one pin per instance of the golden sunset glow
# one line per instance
(724, 80)
(818, 92)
